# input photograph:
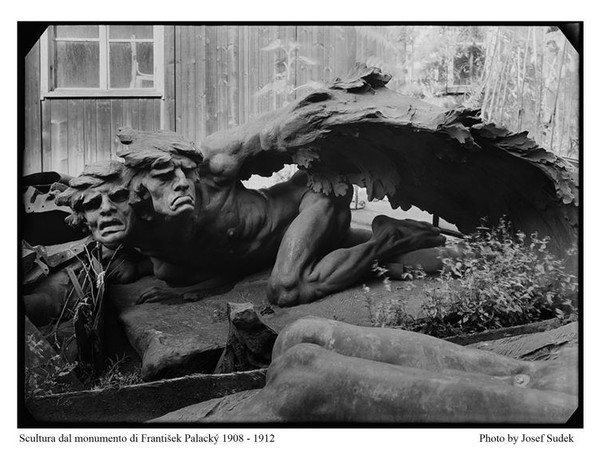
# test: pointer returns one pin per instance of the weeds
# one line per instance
(48, 375)
(503, 279)
(83, 306)
(116, 377)
(388, 311)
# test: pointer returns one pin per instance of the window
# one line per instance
(102, 60)
(466, 66)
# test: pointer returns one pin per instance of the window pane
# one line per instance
(145, 57)
(120, 65)
(129, 68)
(129, 31)
(77, 31)
(77, 65)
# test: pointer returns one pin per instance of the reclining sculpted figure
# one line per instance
(329, 371)
(197, 221)
(305, 234)
(153, 203)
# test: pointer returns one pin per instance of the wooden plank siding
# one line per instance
(76, 132)
(168, 113)
(211, 77)
(75, 122)
(32, 152)
(213, 80)
(90, 113)
(59, 158)
(198, 124)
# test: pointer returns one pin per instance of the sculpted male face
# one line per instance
(107, 213)
(100, 200)
(171, 184)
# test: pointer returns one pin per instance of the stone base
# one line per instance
(181, 338)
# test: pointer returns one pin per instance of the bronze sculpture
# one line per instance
(331, 372)
(239, 232)
(198, 223)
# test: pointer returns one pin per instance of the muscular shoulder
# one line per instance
(222, 154)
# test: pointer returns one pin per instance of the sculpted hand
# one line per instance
(157, 294)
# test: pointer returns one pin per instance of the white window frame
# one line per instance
(47, 91)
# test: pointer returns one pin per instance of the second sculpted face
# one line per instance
(171, 185)
(108, 214)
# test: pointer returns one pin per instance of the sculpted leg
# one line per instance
(308, 383)
(322, 223)
(306, 269)
(329, 371)
(406, 348)
(430, 260)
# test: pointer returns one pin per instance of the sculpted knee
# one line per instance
(294, 382)
(283, 290)
(301, 356)
(310, 329)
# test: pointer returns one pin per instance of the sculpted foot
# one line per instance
(402, 236)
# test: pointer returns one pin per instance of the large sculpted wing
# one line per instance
(447, 162)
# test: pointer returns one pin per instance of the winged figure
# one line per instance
(188, 211)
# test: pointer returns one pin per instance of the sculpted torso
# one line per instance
(235, 228)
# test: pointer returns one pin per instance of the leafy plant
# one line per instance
(48, 375)
(502, 280)
(283, 82)
(385, 312)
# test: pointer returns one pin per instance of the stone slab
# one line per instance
(179, 338)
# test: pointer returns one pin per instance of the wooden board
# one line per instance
(138, 403)
(533, 346)
(32, 152)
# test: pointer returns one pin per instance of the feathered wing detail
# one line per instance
(449, 163)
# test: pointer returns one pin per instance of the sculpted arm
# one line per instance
(225, 152)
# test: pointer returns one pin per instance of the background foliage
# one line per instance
(523, 77)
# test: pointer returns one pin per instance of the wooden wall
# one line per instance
(213, 81)
(32, 153)
(65, 134)
(76, 132)
(219, 71)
